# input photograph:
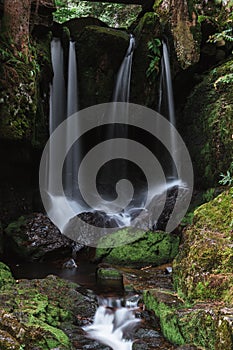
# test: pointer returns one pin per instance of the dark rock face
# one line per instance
(36, 238)
(100, 52)
(206, 122)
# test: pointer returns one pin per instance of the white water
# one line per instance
(72, 159)
(122, 88)
(166, 89)
(114, 323)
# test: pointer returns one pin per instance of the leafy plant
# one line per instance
(115, 15)
(154, 54)
(208, 195)
(227, 179)
(226, 35)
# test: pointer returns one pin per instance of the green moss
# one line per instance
(203, 268)
(109, 273)
(153, 248)
(208, 114)
(201, 324)
(6, 277)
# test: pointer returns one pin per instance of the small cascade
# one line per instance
(122, 88)
(114, 323)
(166, 100)
(71, 170)
(57, 88)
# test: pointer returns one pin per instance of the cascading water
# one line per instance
(122, 88)
(166, 101)
(63, 103)
(71, 171)
(113, 323)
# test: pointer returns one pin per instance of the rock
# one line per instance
(77, 25)
(180, 21)
(109, 273)
(37, 238)
(70, 264)
(41, 314)
(210, 103)
(203, 268)
(6, 277)
(144, 89)
(181, 324)
(100, 52)
(151, 248)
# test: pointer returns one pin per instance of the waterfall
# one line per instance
(63, 103)
(122, 87)
(71, 171)
(57, 88)
(166, 101)
(114, 323)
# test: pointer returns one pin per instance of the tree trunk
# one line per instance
(16, 17)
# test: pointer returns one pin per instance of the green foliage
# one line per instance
(208, 195)
(227, 179)
(187, 219)
(155, 55)
(115, 15)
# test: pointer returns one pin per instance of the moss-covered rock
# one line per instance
(39, 314)
(207, 125)
(6, 277)
(179, 19)
(151, 248)
(109, 273)
(35, 237)
(100, 52)
(204, 325)
(203, 269)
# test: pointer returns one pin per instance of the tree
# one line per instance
(16, 21)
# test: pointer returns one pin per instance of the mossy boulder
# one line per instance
(204, 325)
(207, 125)
(203, 269)
(100, 52)
(40, 314)
(150, 248)
(105, 273)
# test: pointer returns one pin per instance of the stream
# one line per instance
(120, 320)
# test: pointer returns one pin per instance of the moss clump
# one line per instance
(109, 273)
(201, 324)
(153, 248)
(6, 277)
(208, 125)
(203, 269)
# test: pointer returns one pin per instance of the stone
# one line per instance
(203, 269)
(210, 104)
(151, 248)
(36, 238)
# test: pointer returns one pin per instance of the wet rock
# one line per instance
(150, 248)
(70, 264)
(100, 52)
(41, 314)
(181, 324)
(37, 238)
(109, 273)
(77, 25)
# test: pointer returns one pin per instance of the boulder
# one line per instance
(36, 238)
(150, 248)
(203, 269)
(206, 125)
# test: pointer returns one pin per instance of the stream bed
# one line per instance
(113, 317)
